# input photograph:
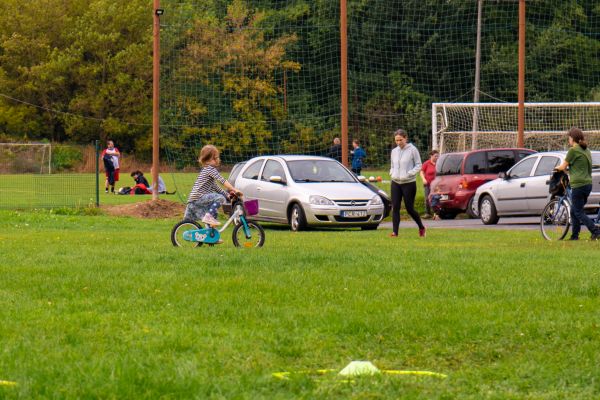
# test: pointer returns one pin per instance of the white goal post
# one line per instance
(469, 126)
(26, 158)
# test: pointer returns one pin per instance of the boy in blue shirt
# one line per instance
(358, 155)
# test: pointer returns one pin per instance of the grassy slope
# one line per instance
(98, 307)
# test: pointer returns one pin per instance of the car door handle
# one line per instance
(523, 184)
(258, 189)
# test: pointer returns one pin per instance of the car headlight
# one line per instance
(320, 201)
(376, 201)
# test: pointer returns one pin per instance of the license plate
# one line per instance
(444, 197)
(354, 214)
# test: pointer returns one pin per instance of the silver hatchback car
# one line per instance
(308, 191)
(523, 190)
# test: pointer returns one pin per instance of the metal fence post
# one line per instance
(97, 173)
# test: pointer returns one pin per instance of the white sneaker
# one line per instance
(210, 220)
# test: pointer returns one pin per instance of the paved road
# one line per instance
(518, 223)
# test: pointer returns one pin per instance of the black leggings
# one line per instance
(408, 191)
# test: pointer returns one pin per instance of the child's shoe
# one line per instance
(210, 220)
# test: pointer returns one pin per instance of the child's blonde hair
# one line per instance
(208, 152)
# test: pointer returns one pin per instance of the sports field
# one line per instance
(79, 190)
(105, 307)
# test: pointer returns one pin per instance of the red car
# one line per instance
(458, 175)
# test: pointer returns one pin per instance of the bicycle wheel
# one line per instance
(177, 234)
(555, 220)
(255, 239)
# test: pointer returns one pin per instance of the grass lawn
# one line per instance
(99, 307)
(79, 190)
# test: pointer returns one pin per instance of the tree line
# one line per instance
(267, 71)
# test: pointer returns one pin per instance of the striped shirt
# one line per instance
(205, 183)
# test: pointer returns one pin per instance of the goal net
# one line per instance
(25, 158)
(41, 175)
(466, 126)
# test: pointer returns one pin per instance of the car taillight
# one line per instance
(463, 184)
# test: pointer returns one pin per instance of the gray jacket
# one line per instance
(406, 164)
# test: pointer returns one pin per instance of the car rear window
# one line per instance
(500, 160)
(476, 163)
(235, 171)
(450, 165)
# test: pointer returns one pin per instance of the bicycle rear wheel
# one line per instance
(177, 234)
(255, 239)
(555, 221)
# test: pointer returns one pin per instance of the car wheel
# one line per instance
(369, 227)
(487, 211)
(297, 218)
(472, 208)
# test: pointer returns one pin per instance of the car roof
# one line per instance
(559, 153)
(482, 150)
(294, 157)
(549, 153)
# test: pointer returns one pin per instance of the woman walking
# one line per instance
(406, 164)
(579, 161)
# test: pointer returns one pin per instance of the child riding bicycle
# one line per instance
(206, 196)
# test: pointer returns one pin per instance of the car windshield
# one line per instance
(319, 171)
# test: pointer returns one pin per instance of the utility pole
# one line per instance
(477, 76)
(344, 79)
(521, 88)
(155, 97)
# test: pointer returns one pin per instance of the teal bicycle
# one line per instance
(246, 233)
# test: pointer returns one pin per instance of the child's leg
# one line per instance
(213, 201)
(208, 203)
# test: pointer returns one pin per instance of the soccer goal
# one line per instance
(467, 126)
(25, 158)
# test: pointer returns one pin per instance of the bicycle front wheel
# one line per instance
(555, 220)
(177, 234)
(254, 238)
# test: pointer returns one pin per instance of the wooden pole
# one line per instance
(344, 79)
(521, 89)
(155, 99)
(477, 75)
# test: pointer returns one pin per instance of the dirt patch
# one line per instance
(147, 209)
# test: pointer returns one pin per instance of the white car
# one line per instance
(308, 191)
(523, 190)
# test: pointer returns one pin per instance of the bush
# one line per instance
(65, 157)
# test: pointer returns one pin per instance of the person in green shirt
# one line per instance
(579, 162)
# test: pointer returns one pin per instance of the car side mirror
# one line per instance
(277, 179)
(503, 175)
(361, 178)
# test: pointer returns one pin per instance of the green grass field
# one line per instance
(105, 307)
